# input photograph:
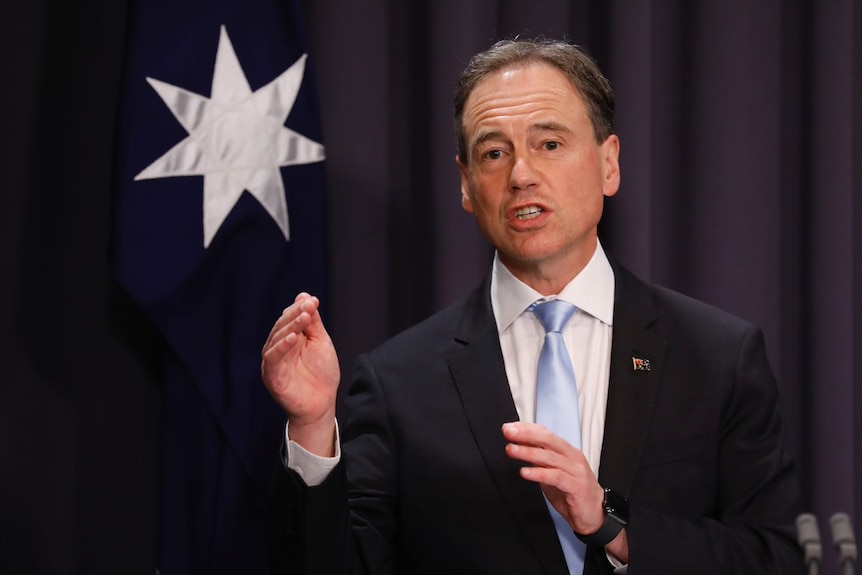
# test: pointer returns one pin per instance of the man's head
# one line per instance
(571, 60)
(537, 158)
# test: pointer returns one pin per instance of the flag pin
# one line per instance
(640, 364)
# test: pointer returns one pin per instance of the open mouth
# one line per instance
(528, 213)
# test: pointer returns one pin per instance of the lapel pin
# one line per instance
(640, 364)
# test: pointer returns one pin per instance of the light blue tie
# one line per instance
(557, 407)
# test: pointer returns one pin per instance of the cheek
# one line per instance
(483, 206)
(584, 202)
(473, 195)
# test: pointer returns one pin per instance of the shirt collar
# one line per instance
(592, 291)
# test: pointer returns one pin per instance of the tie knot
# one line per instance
(553, 314)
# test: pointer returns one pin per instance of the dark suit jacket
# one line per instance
(425, 485)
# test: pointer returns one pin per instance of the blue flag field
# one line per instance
(219, 220)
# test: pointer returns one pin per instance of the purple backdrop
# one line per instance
(741, 129)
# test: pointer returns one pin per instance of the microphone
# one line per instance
(844, 540)
(808, 534)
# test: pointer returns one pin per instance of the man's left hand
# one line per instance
(565, 477)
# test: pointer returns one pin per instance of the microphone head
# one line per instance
(808, 535)
(807, 529)
(844, 539)
(842, 529)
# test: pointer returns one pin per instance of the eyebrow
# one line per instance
(485, 136)
(537, 127)
(549, 127)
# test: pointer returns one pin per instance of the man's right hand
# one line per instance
(300, 370)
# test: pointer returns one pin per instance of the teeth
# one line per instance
(528, 213)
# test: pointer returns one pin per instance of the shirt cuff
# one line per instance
(620, 568)
(313, 469)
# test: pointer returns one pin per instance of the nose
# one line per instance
(523, 174)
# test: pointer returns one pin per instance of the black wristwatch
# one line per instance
(616, 517)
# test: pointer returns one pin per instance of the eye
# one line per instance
(493, 154)
(551, 145)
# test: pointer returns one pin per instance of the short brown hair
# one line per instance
(573, 61)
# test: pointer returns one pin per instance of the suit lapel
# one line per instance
(633, 381)
(479, 374)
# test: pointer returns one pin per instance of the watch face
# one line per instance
(617, 506)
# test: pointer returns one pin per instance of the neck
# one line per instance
(549, 277)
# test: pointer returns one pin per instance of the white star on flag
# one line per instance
(237, 139)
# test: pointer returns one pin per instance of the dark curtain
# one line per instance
(79, 406)
(741, 129)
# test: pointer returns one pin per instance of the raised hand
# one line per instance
(300, 369)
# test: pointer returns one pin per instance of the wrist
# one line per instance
(619, 548)
(616, 511)
(316, 436)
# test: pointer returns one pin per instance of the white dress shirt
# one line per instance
(587, 337)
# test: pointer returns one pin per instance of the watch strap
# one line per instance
(606, 533)
(616, 517)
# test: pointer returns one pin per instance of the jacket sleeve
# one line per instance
(342, 527)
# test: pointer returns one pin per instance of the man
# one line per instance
(440, 466)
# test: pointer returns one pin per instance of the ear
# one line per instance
(466, 202)
(610, 154)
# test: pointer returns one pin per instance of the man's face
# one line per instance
(536, 177)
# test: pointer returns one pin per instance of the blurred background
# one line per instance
(741, 131)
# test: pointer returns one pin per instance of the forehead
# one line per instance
(524, 90)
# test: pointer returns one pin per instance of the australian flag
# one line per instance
(219, 222)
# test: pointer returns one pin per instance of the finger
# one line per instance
(294, 319)
(279, 347)
(578, 500)
(537, 435)
(554, 468)
(281, 332)
(549, 477)
(563, 493)
(573, 465)
(570, 494)
(302, 302)
(540, 456)
(288, 314)
(314, 329)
